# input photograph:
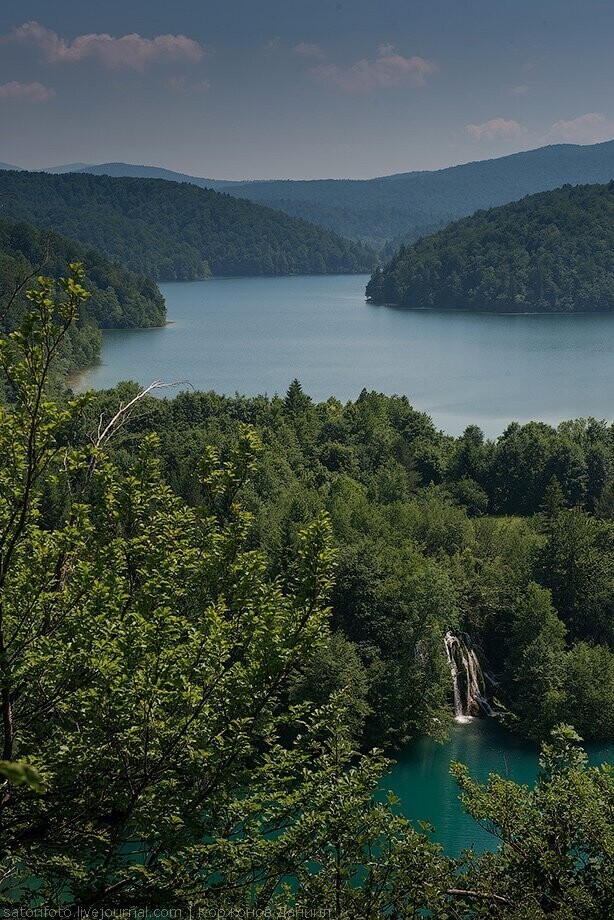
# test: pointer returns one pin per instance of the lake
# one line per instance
(421, 777)
(254, 335)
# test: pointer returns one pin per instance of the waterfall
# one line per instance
(470, 695)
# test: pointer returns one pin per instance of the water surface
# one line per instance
(254, 335)
(421, 777)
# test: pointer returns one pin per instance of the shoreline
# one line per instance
(398, 306)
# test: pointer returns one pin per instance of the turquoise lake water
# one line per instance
(254, 335)
(421, 777)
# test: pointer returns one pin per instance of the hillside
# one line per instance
(176, 231)
(120, 298)
(403, 207)
(550, 252)
(139, 172)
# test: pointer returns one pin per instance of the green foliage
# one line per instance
(179, 722)
(177, 231)
(118, 298)
(416, 558)
(548, 680)
(547, 253)
(577, 564)
(555, 857)
(146, 657)
(20, 774)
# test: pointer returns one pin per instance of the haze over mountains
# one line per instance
(388, 210)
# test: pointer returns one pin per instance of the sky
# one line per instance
(244, 89)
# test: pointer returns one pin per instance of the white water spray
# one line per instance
(467, 679)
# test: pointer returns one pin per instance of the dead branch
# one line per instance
(123, 414)
(484, 895)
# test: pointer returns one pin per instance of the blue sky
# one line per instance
(301, 88)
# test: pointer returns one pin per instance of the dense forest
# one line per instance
(510, 542)
(176, 231)
(119, 298)
(388, 211)
(212, 608)
(550, 252)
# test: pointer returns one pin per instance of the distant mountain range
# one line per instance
(393, 209)
(387, 211)
(404, 207)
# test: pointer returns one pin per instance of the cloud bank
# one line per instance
(590, 128)
(26, 92)
(389, 70)
(495, 129)
(131, 51)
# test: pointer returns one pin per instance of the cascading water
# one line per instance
(467, 678)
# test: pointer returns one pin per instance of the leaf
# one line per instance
(22, 773)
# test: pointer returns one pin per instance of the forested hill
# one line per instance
(140, 172)
(176, 231)
(399, 209)
(406, 206)
(120, 298)
(550, 252)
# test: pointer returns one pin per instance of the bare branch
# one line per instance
(123, 413)
(484, 895)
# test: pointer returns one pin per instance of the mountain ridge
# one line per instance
(386, 211)
(137, 171)
(87, 167)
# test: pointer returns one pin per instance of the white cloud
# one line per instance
(495, 129)
(132, 51)
(589, 128)
(26, 92)
(389, 70)
(519, 90)
(305, 49)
